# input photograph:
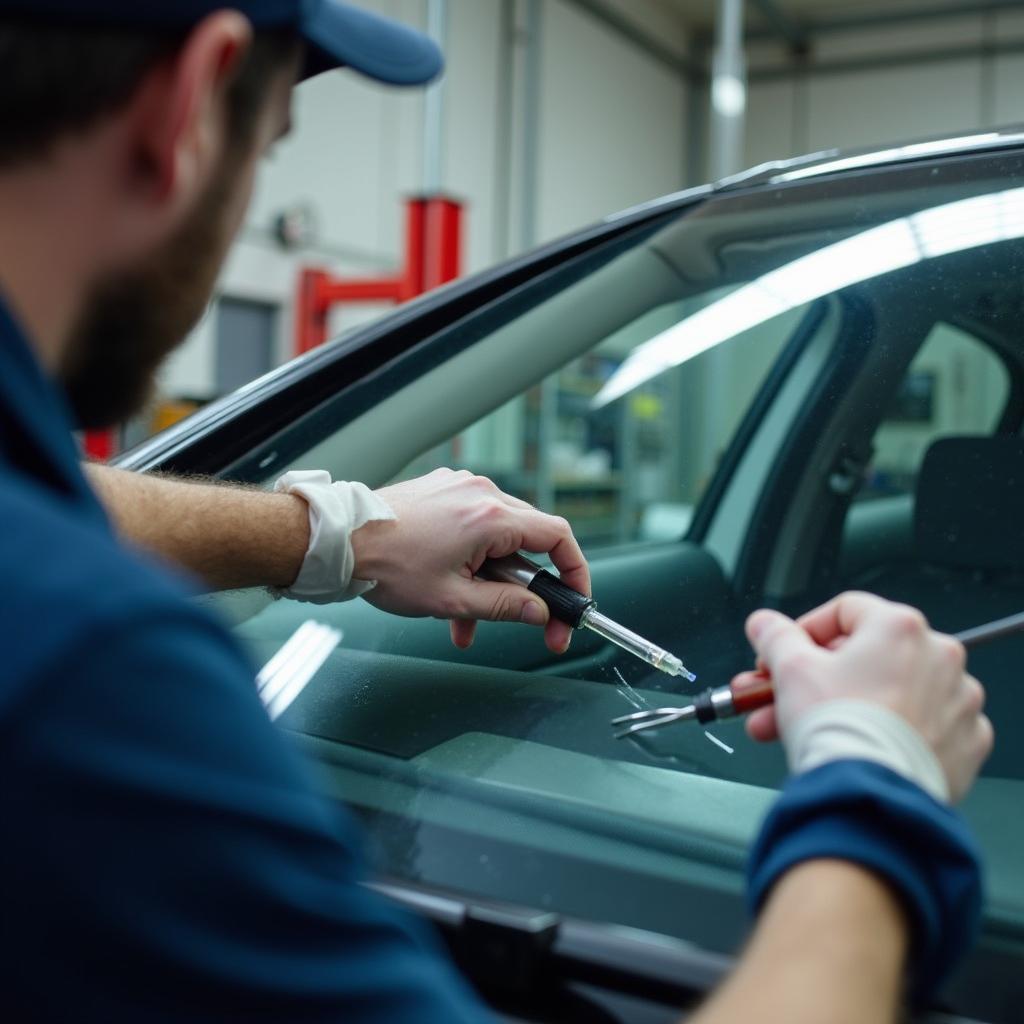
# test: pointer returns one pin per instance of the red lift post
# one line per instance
(433, 256)
(99, 445)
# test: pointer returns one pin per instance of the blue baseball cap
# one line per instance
(338, 34)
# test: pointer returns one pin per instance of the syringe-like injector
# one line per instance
(579, 611)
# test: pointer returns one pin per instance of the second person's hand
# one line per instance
(859, 647)
(448, 523)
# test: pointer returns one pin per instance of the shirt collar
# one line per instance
(36, 424)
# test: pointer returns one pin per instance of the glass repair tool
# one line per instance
(732, 700)
(709, 706)
(578, 610)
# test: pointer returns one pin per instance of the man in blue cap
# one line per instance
(165, 857)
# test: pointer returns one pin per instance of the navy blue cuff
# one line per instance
(861, 812)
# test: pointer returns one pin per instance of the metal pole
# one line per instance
(531, 125)
(547, 412)
(728, 91)
(728, 106)
(433, 106)
(505, 152)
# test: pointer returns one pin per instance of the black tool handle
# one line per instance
(564, 603)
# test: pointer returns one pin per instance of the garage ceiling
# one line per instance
(700, 14)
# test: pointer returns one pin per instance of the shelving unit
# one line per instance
(597, 468)
(604, 504)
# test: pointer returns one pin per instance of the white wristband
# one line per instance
(336, 511)
(839, 729)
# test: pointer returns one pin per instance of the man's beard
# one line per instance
(133, 320)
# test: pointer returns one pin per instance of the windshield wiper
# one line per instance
(516, 953)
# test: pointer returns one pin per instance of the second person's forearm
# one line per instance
(829, 948)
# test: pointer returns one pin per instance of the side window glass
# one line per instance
(631, 471)
(955, 385)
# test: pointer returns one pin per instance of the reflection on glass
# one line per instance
(953, 227)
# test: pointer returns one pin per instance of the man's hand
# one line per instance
(862, 648)
(448, 524)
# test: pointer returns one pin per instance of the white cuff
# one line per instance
(839, 729)
(336, 511)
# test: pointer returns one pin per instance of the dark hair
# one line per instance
(60, 80)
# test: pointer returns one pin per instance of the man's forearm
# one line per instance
(230, 537)
(829, 948)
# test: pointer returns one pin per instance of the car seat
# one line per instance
(967, 567)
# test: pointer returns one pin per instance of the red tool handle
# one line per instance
(758, 693)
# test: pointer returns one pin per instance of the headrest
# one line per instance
(969, 511)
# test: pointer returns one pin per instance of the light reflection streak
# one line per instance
(895, 245)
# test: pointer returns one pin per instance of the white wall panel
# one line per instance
(189, 371)
(1008, 81)
(891, 105)
(771, 121)
(612, 122)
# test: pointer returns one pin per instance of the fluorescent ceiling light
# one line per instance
(954, 227)
(728, 95)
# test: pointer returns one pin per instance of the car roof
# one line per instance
(777, 172)
(836, 161)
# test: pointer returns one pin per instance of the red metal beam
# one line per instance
(384, 289)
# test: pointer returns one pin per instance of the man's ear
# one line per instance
(180, 111)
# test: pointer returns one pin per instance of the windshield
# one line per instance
(756, 401)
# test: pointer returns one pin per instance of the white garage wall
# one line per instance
(612, 124)
(887, 106)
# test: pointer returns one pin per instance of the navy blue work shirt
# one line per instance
(164, 855)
